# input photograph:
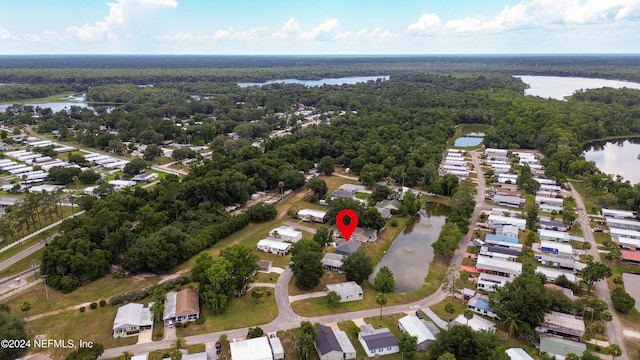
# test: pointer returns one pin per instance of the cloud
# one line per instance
(6, 35)
(290, 29)
(120, 12)
(328, 30)
(531, 14)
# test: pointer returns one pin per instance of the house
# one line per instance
(181, 306)
(131, 318)
(632, 257)
(506, 212)
(311, 215)
(121, 184)
(144, 177)
(503, 241)
(552, 274)
(626, 243)
(276, 347)
(385, 213)
(251, 349)
(623, 224)
(556, 346)
(393, 205)
(333, 344)
(518, 354)
(273, 246)
(552, 260)
(352, 188)
(552, 235)
(540, 200)
(495, 251)
(508, 230)
(618, 214)
(548, 224)
(264, 265)
(332, 261)
(506, 200)
(365, 235)
(348, 291)
(258, 195)
(556, 248)
(286, 233)
(631, 234)
(378, 342)
(548, 208)
(499, 266)
(489, 282)
(561, 324)
(480, 304)
(477, 323)
(342, 194)
(496, 221)
(344, 247)
(6, 201)
(416, 327)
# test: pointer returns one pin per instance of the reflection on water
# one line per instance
(616, 158)
(411, 253)
(557, 87)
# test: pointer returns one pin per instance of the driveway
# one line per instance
(145, 336)
(169, 333)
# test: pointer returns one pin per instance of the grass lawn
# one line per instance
(334, 182)
(62, 97)
(329, 277)
(92, 325)
(459, 309)
(319, 306)
(22, 231)
(243, 312)
(386, 321)
(286, 339)
(192, 349)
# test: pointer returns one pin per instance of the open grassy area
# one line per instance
(244, 311)
(286, 339)
(329, 277)
(62, 97)
(92, 325)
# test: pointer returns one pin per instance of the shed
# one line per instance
(276, 347)
(251, 349)
(348, 291)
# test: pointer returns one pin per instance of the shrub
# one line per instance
(394, 223)
(82, 309)
(200, 320)
(117, 299)
(93, 305)
(179, 325)
(102, 303)
(622, 301)
(186, 325)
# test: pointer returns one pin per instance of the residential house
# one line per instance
(503, 241)
(418, 328)
(508, 230)
(348, 291)
(344, 247)
(312, 215)
(496, 221)
(556, 248)
(627, 233)
(342, 194)
(477, 323)
(251, 349)
(627, 243)
(495, 251)
(548, 224)
(540, 200)
(623, 224)
(393, 205)
(505, 212)
(561, 324)
(378, 342)
(552, 274)
(631, 257)
(556, 346)
(499, 266)
(506, 200)
(181, 306)
(352, 188)
(480, 304)
(286, 233)
(490, 283)
(333, 344)
(552, 235)
(332, 261)
(618, 214)
(131, 318)
(518, 354)
(552, 260)
(144, 177)
(273, 246)
(385, 213)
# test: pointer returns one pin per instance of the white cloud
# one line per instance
(325, 31)
(6, 35)
(120, 12)
(428, 24)
(290, 29)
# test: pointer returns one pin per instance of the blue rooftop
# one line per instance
(483, 304)
(501, 238)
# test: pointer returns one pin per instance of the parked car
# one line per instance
(419, 315)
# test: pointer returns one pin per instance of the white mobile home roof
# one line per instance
(518, 354)
(500, 265)
(628, 242)
(90, 156)
(118, 164)
(107, 160)
(617, 213)
(562, 247)
(339, 287)
(276, 346)
(549, 200)
(416, 327)
(545, 181)
(552, 234)
(633, 234)
(251, 349)
(503, 220)
(273, 244)
(286, 231)
(457, 172)
(14, 153)
(553, 274)
(312, 212)
(477, 323)
(28, 156)
(51, 165)
(64, 149)
(500, 212)
(623, 223)
(11, 167)
(21, 170)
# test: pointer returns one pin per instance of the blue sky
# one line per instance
(250, 27)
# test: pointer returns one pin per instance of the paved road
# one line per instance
(614, 327)
(288, 319)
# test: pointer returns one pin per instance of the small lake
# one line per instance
(632, 286)
(411, 253)
(557, 87)
(616, 158)
(470, 139)
(328, 81)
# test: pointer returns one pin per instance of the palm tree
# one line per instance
(179, 343)
(381, 299)
(511, 321)
(597, 328)
(468, 314)
(175, 354)
(127, 355)
(614, 350)
(281, 186)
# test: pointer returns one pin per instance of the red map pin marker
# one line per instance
(347, 229)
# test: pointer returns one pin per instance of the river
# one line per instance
(411, 253)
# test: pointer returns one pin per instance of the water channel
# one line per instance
(411, 253)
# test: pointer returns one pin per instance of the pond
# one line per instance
(632, 286)
(470, 139)
(328, 81)
(557, 87)
(411, 253)
(616, 158)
